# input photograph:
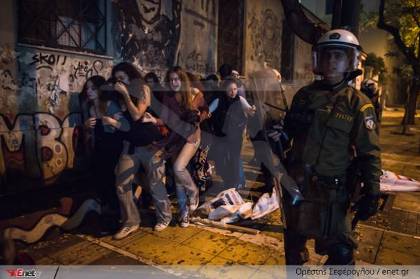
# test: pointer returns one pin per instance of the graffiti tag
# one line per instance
(38, 144)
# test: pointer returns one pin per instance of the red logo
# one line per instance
(21, 273)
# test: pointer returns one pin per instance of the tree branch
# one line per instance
(408, 52)
(416, 40)
(413, 13)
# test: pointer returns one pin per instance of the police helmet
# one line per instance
(337, 38)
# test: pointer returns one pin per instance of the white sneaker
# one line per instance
(184, 222)
(125, 231)
(161, 226)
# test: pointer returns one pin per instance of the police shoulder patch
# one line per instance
(366, 106)
(370, 123)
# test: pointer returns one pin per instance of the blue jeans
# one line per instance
(152, 161)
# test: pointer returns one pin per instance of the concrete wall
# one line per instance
(303, 61)
(262, 40)
(302, 70)
(198, 43)
(263, 43)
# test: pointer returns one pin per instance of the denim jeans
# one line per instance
(151, 159)
(186, 190)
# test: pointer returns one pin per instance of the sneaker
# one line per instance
(125, 231)
(184, 222)
(161, 226)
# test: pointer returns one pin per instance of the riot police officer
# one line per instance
(329, 122)
(370, 89)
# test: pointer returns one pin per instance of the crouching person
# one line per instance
(139, 151)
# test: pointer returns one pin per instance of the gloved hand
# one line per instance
(367, 206)
(274, 135)
(276, 132)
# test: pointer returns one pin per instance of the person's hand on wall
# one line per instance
(90, 123)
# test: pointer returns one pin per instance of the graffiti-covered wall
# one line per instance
(40, 119)
(303, 61)
(158, 34)
(263, 34)
(198, 44)
(50, 81)
(302, 68)
(150, 32)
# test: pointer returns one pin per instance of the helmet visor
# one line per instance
(335, 58)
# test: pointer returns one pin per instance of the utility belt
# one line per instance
(324, 208)
(310, 177)
(336, 181)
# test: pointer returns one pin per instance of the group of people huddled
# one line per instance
(141, 131)
(327, 141)
(159, 135)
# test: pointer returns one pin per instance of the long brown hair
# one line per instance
(186, 90)
(98, 82)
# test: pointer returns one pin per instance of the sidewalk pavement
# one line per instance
(392, 237)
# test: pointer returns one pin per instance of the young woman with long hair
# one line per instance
(103, 119)
(183, 109)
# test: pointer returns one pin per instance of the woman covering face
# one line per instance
(122, 77)
(138, 151)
